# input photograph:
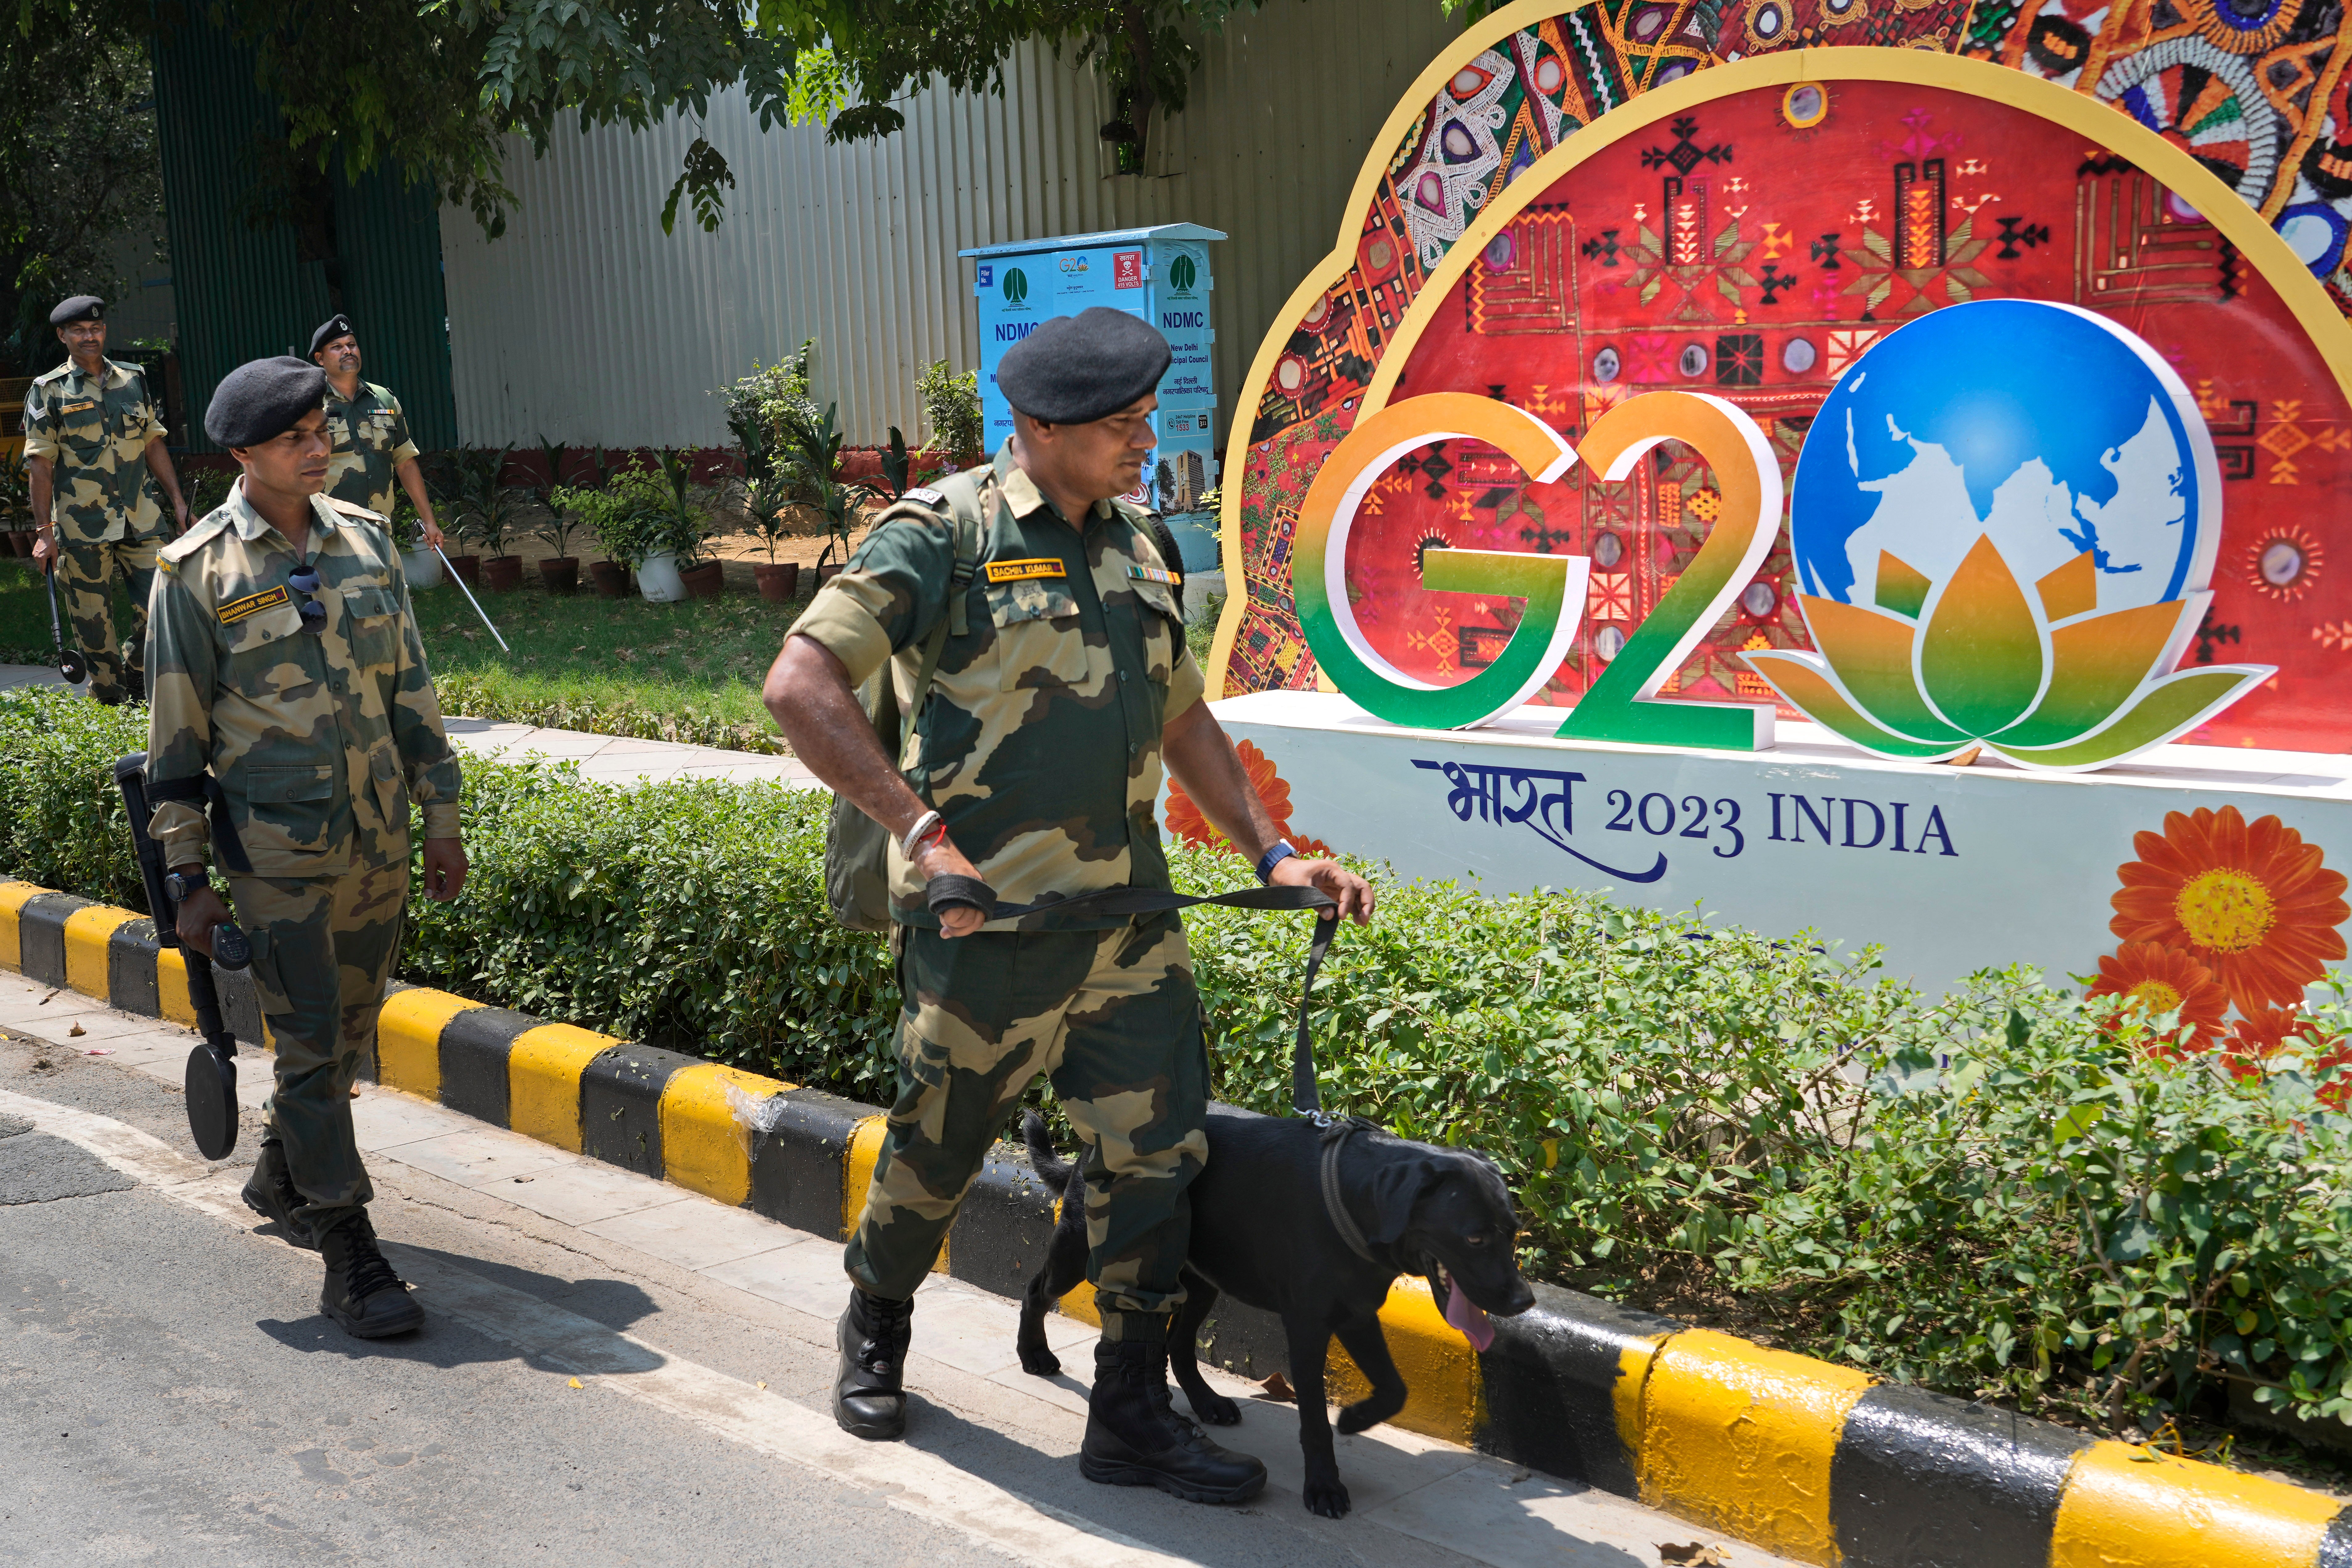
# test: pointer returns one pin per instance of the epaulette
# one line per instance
(53, 375)
(353, 508)
(202, 532)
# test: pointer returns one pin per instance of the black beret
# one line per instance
(1074, 369)
(81, 307)
(334, 327)
(262, 398)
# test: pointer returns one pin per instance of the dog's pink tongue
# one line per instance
(1469, 1319)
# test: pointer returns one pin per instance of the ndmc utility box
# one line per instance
(1160, 274)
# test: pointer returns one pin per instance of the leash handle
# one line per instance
(947, 891)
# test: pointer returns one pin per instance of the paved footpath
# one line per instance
(612, 1370)
(610, 759)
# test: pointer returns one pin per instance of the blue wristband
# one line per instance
(1282, 850)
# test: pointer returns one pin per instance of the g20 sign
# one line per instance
(1994, 549)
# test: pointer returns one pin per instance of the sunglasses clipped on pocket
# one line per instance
(304, 581)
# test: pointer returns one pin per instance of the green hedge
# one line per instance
(1996, 1191)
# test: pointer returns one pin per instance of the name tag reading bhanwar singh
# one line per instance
(1023, 571)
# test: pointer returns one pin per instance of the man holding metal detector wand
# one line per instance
(293, 724)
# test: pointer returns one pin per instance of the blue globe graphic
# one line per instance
(2049, 428)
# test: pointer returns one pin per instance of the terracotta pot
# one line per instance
(468, 569)
(828, 572)
(20, 541)
(561, 573)
(612, 578)
(707, 580)
(502, 573)
(779, 584)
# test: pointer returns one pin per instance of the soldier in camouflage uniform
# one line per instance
(291, 690)
(1036, 765)
(372, 447)
(92, 437)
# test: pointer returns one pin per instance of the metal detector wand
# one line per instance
(211, 1076)
(70, 660)
(471, 600)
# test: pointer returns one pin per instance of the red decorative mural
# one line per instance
(1752, 248)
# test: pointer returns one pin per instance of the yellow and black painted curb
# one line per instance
(1811, 1460)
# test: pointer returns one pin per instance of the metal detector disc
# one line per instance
(211, 1102)
(71, 666)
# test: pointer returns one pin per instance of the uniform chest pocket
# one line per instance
(1163, 629)
(375, 625)
(81, 425)
(265, 648)
(1038, 643)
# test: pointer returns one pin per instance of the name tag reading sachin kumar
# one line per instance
(1023, 571)
(1154, 574)
(236, 610)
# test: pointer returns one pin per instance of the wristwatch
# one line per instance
(1282, 850)
(179, 885)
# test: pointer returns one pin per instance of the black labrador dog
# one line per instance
(1262, 1234)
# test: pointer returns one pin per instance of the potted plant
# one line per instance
(951, 407)
(16, 503)
(417, 560)
(490, 514)
(561, 571)
(686, 531)
(611, 574)
(780, 581)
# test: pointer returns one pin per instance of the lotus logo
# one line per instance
(1016, 286)
(1182, 273)
(2004, 550)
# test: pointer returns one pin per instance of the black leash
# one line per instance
(941, 892)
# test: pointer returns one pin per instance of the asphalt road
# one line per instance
(170, 1392)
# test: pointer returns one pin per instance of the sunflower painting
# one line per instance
(2216, 913)
(1186, 822)
(2251, 902)
(2152, 981)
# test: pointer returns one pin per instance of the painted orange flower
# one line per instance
(2335, 1083)
(1187, 822)
(2151, 981)
(2266, 1032)
(2251, 902)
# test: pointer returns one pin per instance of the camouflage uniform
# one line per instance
(372, 440)
(1039, 745)
(319, 744)
(95, 430)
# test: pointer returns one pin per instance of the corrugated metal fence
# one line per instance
(242, 292)
(588, 324)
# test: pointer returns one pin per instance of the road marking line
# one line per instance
(729, 1408)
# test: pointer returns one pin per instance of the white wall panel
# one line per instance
(588, 324)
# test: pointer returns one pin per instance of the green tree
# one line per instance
(434, 88)
(78, 166)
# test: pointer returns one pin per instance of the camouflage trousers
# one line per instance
(1111, 1018)
(323, 950)
(86, 593)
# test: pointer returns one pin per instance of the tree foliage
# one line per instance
(78, 165)
(436, 87)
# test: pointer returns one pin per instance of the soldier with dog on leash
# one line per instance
(1036, 616)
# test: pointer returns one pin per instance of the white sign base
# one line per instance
(1953, 869)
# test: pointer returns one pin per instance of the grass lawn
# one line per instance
(685, 672)
(698, 664)
(688, 672)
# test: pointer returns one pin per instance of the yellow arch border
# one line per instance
(2109, 127)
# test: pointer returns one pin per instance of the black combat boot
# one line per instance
(361, 1292)
(1135, 1438)
(270, 1193)
(869, 1393)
